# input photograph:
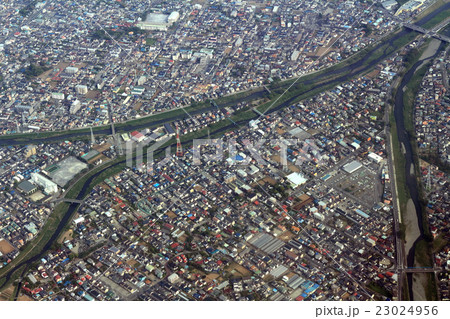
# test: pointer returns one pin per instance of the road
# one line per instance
(318, 80)
(338, 76)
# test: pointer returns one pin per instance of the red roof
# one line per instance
(137, 134)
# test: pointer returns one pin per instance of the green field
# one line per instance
(437, 19)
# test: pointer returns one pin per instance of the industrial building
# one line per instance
(158, 21)
(352, 167)
(137, 136)
(375, 157)
(389, 5)
(410, 6)
(27, 188)
(58, 96)
(296, 179)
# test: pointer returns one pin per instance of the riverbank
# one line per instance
(361, 62)
(414, 220)
(87, 182)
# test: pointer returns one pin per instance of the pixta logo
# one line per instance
(290, 151)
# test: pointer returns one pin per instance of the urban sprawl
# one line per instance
(301, 203)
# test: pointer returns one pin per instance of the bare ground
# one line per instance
(412, 226)
(420, 281)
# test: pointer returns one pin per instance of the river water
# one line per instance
(411, 181)
(342, 75)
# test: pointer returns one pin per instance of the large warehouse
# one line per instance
(352, 167)
(158, 21)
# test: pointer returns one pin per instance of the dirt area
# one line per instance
(237, 270)
(92, 94)
(270, 180)
(183, 238)
(123, 294)
(430, 50)
(6, 294)
(171, 215)
(323, 50)
(132, 262)
(105, 186)
(286, 236)
(420, 281)
(412, 226)
(66, 236)
(280, 131)
(24, 298)
(137, 106)
(211, 277)
(36, 197)
(101, 148)
(276, 158)
(313, 131)
(5, 247)
(373, 74)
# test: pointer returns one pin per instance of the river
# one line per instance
(342, 75)
(414, 212)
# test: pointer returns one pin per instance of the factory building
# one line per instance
(352, 167)
(158, 21)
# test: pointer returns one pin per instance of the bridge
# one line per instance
(422, 269)
(69, 200)
(432, 33)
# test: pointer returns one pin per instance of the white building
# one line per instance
(295, 55)
(48, 185)
(158, 21)
(389, 5)
(75, 107)
(375, 157)
(142, 79)
(58, 96)
(296, 179)
(71, 70)
(352, 167)
(173, 17)
(173, 278)
(81, 89)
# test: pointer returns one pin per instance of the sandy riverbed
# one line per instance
(412, 226)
